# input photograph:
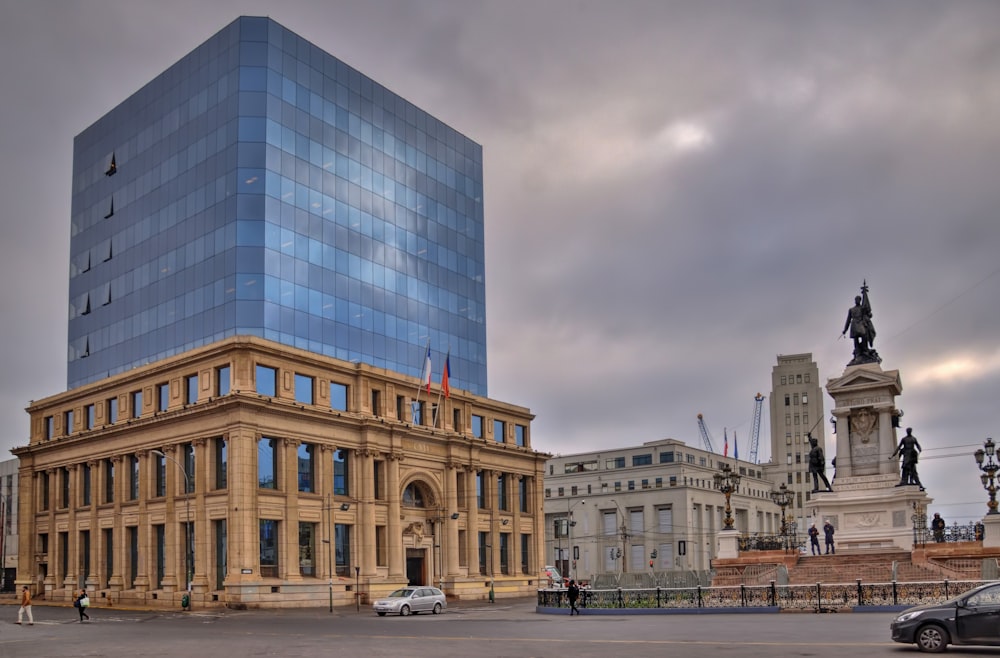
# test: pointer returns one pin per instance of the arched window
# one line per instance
(413, 496)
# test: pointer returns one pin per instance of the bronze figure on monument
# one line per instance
(859, 322)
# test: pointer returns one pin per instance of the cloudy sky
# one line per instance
(676, 192)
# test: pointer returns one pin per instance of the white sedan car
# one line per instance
(411, 599)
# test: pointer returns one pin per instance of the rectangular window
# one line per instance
(267, 466)
(160, 475)
(133, 477)
(159, 532)
(268, 548)
(400, 408)
(111, 410)
(631, 485)
(85, 477)
(456, 420)
(109, 481)
(267, 380)
(307, 549)
(480, 494)
(642, 460)
(136, 398)
(560, 492)
(132, 533)
(306, 467)
(64, 488)
(381, 547)
(303, 389)
(658, 483)
(190, 389)
(222, 381)
(43, 479)
(618, 486)
(67, 422)
(666, 457)
(519, 435)
(525, 553)
(89, 413)
(645, 484)
(109, 554)
(573, 490)
(477, 426)
(610, 523)
(49, 430)
(499, 431)
(338, 396)
(378, 468)
(221, 463)
(522, 495)
(505, 552)
(187, 458)
(463, 548)
(342, 547)
(376, 402)
(341, 471)
(162, 397)
(482, 553)
(502, 494)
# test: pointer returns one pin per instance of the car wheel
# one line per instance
(404, 611)
(932, 638)
(437, 608)
(381, 614)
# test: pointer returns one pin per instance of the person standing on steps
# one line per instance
(814, 539)
(937, 527)
(828, 533)
(573, 593)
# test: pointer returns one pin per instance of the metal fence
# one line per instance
(821, 597)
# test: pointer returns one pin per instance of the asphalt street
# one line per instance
(468, 629)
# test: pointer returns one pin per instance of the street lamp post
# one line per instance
(624, 537)
(989, 467)
(727, 481)
(782, 497)
(188, 549)
(436, 523)
(563, 526)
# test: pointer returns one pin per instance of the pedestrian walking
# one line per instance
(25, 606)
(814, 539)
(828, 534)
(81, 603)
(573, 593)
(937, 526)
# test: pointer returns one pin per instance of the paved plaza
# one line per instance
(467, 629)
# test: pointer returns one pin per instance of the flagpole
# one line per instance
(444, 366)
(424, 377)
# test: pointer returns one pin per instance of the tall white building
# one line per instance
(648, 508)
(796, 409)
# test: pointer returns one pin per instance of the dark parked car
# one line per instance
(969, 618)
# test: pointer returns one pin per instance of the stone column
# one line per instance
(147, 476)
(201, 526)
(243, 527)
(47, 487)
(289, 568)
(472, 523)
(172, 537)
(75, 562)
(365, 516)
(451, 476)
(393, 531)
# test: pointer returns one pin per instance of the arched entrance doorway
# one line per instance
(418, 507)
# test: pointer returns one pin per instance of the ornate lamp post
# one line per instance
(727, 481)
(782, 497)
(989, 466)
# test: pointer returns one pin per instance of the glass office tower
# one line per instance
(260, 186)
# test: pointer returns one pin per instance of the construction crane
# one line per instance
(758, 404)
(705, 437)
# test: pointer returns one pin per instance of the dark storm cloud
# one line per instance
(676, 192)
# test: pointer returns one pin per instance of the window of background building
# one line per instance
(303, 389)
(266, 380)
(338, 396)
(190, 389)
(267, 467)
(666, 457)
(222, 381)
(642, 460)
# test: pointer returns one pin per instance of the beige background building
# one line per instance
(299, 477)
(624, 504)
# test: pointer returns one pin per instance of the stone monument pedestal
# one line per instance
(866, 507)
(728, 544)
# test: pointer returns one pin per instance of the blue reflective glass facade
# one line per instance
(260, 186)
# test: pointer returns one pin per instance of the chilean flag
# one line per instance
(427, 369)
(725, 443)
(446, 375)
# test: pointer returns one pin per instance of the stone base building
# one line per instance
(255, 474)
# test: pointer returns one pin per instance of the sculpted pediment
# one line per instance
(865, 378)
